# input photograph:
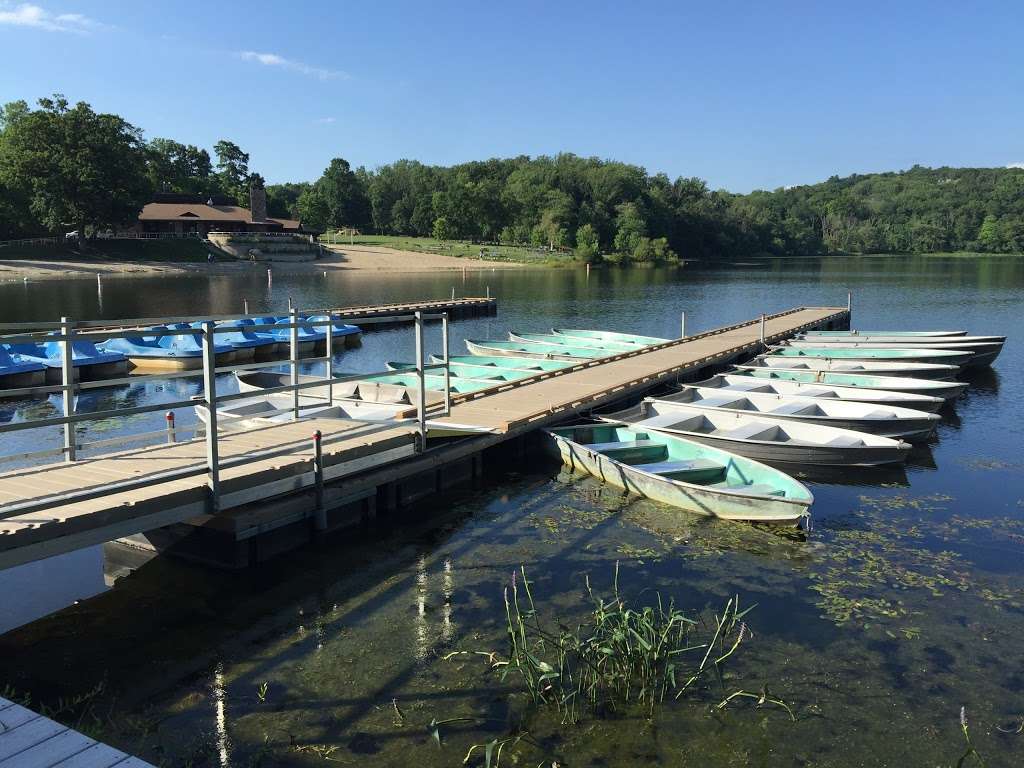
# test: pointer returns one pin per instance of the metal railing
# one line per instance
(67, 331)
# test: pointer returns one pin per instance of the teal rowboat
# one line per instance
(909, 334)
(984, 349)
(489, 348)
(629, 338)
(531, 364)
(685, 474)
(614, 347)
(868, 367)
(948, 390)
(461, 371)
(433, 381)
(856, 352)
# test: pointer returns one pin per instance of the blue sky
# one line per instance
(745, 95)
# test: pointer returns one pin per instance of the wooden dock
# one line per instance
(29, 740)
(455, 308)
(61, 507)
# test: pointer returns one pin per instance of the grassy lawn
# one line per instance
(115, 250)
(463, 249)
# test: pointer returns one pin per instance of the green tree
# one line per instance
(630, 227)
(175, 167)
(442, 229)
(988, 234)
(74, 167)
(232, 170)
(587, 246)
(313, 210)
(343, 193)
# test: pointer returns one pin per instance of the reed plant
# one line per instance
(621, 655)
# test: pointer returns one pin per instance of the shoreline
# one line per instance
(358, 259)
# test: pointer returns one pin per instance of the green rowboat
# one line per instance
(490, 348)
(854, 352)
(694, 477)
(909, 334)
(628, 338)
(948, 390)
(531, 364)
(565, 341)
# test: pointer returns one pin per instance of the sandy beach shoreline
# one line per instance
(354, 258)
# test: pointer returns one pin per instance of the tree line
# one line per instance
(69, 167)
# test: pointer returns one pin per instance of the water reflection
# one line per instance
(907, 590)
(33, 590)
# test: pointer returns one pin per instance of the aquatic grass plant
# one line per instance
(619, 656)
(971, 751)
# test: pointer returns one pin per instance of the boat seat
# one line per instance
(687, 469)
(636, 450)
(879, 415)
(724, 401)
(754, 489)
(661, 420)
(844, 441)
(752, 431)
(798, 409)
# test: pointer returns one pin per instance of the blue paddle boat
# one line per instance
(16, 372)
(264, 345)
(350, 334)
(87, 362)
(180, 352)
(308, 336)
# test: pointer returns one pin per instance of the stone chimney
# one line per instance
(257, 198)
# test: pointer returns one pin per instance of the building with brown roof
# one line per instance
(184, 214)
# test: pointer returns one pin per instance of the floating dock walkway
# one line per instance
(29, 740)
(276, 488)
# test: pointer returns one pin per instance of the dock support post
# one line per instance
(329, 363)
(245, 306)
(68, 393)
(762, 330)
(447, 366)
(849, 302)
(682, 325)
(320, 518)
(293, 319)
(172, 433)
(421, 393)
(453, 293)
(488, 291)
(210, 393)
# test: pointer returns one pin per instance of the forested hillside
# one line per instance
(64, 167)
(596, 205)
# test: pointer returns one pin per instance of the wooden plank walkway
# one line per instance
(150, 501)
(47, 510)
(521, 403)
(29, 740)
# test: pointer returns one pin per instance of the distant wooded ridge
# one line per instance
(63, 167)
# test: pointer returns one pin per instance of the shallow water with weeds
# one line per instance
(902, 605)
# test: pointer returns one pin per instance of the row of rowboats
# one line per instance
(723, 446)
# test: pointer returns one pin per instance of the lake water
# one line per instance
(902, 605)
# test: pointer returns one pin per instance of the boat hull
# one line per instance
(866, 351)
(905, 426)
(862, 367)
(22, 379)
(947, 390)
(866, 456)
(827, 392)
(487, 351)
(687, 496)
(628, 338)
